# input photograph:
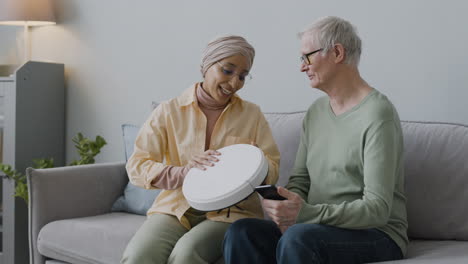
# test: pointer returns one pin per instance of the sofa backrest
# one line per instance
(436, 172)
(436, 176)
(286, 129)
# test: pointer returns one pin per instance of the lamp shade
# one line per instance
(34, 12)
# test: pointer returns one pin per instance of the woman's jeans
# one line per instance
(260, 241)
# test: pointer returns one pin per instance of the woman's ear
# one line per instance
(339, 52)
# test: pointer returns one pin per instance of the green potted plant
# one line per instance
(87, 150)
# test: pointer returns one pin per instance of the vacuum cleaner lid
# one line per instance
(233, 178)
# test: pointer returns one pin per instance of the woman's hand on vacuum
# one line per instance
(203, 160)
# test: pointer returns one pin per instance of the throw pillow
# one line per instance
(135, 200)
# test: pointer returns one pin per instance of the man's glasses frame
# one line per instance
(305, 58)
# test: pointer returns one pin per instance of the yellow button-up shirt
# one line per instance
(176, 131)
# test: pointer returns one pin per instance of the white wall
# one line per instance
(8, 43)
(120, 55)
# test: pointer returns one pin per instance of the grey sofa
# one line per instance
(71, 219)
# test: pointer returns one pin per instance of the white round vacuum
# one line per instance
(233, 178)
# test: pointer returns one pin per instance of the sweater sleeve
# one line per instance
(381, 152)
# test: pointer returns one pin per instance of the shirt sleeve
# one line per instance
(382, 153)
(146, 163)
(299, 181)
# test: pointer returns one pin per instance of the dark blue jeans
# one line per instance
(260, 241)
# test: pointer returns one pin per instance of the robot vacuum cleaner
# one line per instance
(233, 178)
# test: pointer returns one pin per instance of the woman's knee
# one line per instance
(187, 251)
(137, 255)
(160, 230)
(183, 254)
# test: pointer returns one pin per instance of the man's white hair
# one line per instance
(331, 30)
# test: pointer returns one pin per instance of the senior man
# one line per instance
(345, 197)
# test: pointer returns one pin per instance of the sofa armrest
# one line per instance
(70, 192)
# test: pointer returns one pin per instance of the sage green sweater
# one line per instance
(349, 168)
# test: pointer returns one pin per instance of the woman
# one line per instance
(184, 133)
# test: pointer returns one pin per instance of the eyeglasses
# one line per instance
(230, 71)
(306, 57)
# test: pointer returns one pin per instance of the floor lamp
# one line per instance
(26, 13)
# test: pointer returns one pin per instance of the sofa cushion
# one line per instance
(434, 252)
(436, 176)
(97, 239)
(134, 200)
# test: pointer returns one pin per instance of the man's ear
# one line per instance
(339, 52)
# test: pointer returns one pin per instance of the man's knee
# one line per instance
(300, 235)
(244, 227)
(246, 231)
(299, 242)
(239, 228)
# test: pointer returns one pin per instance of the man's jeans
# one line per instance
(260, 241)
